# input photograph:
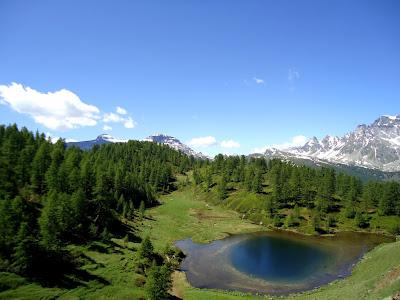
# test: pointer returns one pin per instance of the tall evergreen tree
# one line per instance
(222, 189)
(40, 164)
(390, 200)
(158, 282)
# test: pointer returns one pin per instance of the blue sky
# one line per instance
(248, 73)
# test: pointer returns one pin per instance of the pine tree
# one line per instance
(142, 209)
(316, 220)
(208, 180)
(257, 182)
(389, 201)
(295, 185)
(279, 184)
(53, 180)
(350, 202)
(326, 188)
(222, 189)
(87, 177)
(56, 220)
(78, 209)
(40, 164)
(25, 250)
(196, 177)
(296, 212)
(158, 283)
(146, 249)
(270, 206)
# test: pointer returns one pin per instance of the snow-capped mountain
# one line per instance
(375, 146)
(101, 139)
(173, 143)
(156, 138)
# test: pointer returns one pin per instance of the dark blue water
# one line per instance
(277, 259)
(274, 262)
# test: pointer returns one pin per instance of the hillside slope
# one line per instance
(184, 213)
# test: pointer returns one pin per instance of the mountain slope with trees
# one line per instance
(281, 193)
(66, 213)
(52, 196)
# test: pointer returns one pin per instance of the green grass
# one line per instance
(186, 214)
(372, 278)
(252, 207)
(115, 265)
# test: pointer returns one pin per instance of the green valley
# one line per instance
(101, 224)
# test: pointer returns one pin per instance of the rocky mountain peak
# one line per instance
(386, 121)
(173, 143)
(105, 137)
(374, 146)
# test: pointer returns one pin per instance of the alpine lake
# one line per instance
(274, 262)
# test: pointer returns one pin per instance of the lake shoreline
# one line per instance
(192, 215)
(260, 285)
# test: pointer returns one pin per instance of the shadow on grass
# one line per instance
(121, 229)
(61, 269)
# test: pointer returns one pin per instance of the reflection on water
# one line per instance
(274, 262)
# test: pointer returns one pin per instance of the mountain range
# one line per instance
(174, 143)
(156, 138)
(369, 151)
(100, 140)
(374, 146)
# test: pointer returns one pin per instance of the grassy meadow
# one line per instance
(109, 268)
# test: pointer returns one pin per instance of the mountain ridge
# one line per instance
(155, 138)
(374, 146)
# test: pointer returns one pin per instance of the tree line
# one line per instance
(289, 186)
(51, 196)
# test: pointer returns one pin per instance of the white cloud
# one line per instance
(258, 80)
(70, 140)
(208, 141)
(59, 110)
(260, 149)
(129, 123)
(298, 140)
(121, 111)
(229, 144)
(107, 127)
(114, 118)
(293, 75)
(205, 141)
(52, 138)
(229, 153)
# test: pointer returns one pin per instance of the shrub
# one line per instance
(277, 221)
(361, 221)
(395, 229)
(140, 281)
